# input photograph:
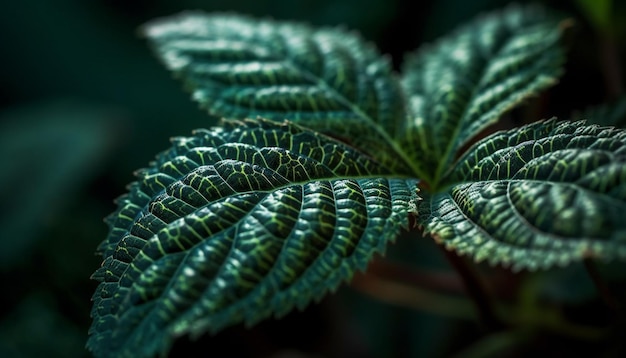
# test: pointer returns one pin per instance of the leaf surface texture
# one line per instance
(235, 224)
(463, 83)
(329, 80)
(547, 194)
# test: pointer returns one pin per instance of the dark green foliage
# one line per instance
(542, 195)
(465, 82)
(329, 80)
(234, 224)
(318, 169)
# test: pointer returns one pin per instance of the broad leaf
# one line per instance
(328, 79)
(543, 195)
(235, 224)
(465, 82)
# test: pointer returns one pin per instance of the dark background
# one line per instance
(84, 103)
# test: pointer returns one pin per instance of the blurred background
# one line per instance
(84, 103)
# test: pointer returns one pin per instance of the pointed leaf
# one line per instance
(465, 82)
(235, 224)
(329, 80)
(543, 195)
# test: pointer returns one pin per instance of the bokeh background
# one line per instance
(84, 103)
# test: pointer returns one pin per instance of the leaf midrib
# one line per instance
(221, 269)
(319, 81)
(284, 57)
(573, 185)
(452, 142)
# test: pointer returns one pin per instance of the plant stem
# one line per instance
(430, 280)
(416, 298)
(412, 297)
(476, 290)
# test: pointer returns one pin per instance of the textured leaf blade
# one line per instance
(329, 80)
(465, 82)
(547, 194)
(235, 224)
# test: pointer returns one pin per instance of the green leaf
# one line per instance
(329, 80)
(235, 224)
(465, 82)
(543, 195)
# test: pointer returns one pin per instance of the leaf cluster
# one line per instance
(318, 168)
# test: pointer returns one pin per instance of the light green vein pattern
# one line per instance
(329, 80)
(235, 224)
(463, 83)
(548, 194)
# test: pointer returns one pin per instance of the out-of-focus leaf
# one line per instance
(329, 80)
(465, 82)
(543, 195)
(50, 151)
(598, 12)
(235, 224)
(609, 114)
(495, 345)
(570, 285)
(36, 329)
